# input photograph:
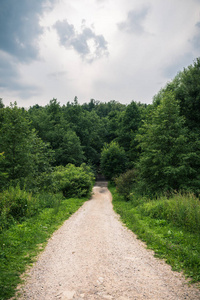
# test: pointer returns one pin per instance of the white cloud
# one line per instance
(89, 45)
(134, 22)
(63, 52)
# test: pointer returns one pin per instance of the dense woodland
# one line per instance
(150, 149)
(160, 141)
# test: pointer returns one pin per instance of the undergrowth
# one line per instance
(22, 241)
(168, 226)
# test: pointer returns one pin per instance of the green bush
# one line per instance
(13, 205)
(73, 181)
(124, 183)
(16, 205)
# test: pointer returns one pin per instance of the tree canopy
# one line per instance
(161, 141)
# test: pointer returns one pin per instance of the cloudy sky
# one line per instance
(119, 50)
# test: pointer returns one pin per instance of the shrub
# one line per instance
(13, 205)
(73, 181)
(16, 205)
(124, 183)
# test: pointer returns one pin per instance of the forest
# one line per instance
(159, 142)
(58, 150)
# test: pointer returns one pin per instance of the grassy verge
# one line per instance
(178, 244)
(20, 244)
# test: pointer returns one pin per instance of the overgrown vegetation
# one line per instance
(73, 181)
(125, 183)
(169, 226)
(16, 204)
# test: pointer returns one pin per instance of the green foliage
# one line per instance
(13, 206)
(131, 120)
(113, 124)
(91, 131)
(125, 183)
(104, 109)
(26, 155)
(75, 133)
(69, 150)
(164, 162)
(85, 129)
(187, 89)
(16, 205)
(173, 241)
(3, 175)
(113, 160)
(181, 209)
(14, 134)
(73, 181)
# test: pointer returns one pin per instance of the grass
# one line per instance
(20, 244)
(168, 226)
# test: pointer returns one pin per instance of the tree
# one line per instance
(113, 160)
(164, 161)
(14, 133)
(69, 150)
(3, 175)
(187, 90)
(114, 123)
(1, 103)
(130, 123)
(25, 154)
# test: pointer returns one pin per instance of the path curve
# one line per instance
(93, 256)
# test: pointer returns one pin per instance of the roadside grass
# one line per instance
(21, 243)
(170, 227)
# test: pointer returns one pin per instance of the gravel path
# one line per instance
(93, 256)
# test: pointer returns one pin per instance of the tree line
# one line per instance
(159, 142)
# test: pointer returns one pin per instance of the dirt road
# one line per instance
(93, 256)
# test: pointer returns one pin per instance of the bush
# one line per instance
(124, 183)
(16, 205)
(73, 181)
(13, 205)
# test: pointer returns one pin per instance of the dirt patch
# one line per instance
(93, 256)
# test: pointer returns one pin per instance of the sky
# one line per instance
(120, 50)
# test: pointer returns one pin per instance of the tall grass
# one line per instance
(181, 210)
(16, 205)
